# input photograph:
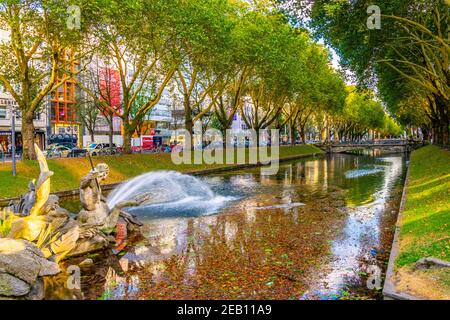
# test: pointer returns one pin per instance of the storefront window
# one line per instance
(69, 112)
(2, 112)
(62, 114)
(53, 111)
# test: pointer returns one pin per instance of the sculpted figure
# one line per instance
(60, 234)
(38, 218)
(95, 209)
(33, 201)
(26, 202)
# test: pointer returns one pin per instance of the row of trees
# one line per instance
(361, 116)
(406, 60)
(222, 57)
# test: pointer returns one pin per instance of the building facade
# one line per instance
(104, 81)
(159, 117)
(64, 118)
(7, 105)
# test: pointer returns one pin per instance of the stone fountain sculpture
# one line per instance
(43, 231)
(97, 216)
(95, 208)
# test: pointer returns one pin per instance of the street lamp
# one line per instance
(13, 139)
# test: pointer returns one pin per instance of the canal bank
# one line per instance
(423, 230)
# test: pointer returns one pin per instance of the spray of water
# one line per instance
(170, 193)
(351, 174)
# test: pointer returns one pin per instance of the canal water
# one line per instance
(320, 229)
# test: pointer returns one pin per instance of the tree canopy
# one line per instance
(221, 56)
(407, 57)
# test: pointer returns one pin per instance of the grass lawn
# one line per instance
(67, 172)
(425, 230)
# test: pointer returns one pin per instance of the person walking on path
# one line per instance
(2, 151)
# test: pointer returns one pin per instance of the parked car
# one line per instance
(77, 152)
(56, 150)
(62, 151)
(101, 149)
(69, 145)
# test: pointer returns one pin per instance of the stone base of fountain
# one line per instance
(22, 266)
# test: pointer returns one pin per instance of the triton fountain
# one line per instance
(36, 233)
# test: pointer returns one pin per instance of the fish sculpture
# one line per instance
(42, 185)
(30, 227)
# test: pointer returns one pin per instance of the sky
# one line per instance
(3, 35)
(335, 61)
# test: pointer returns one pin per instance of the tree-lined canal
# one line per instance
(320, 229)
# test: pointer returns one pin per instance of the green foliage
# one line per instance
(407, 59)
(391, 127)
(216, 52)
(6, 219)
(360, 114)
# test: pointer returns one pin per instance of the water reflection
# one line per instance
(309, 232)
(361, 237)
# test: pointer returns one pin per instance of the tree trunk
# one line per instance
(438, 135)
(292, 134)
(188, 123)
(224, 137)
(302, 134)
(189, 126)
(257, 139)
(110, 134)
(127, 136)
(445, 122)
(434, 134)
(446, 134)
(28, 136)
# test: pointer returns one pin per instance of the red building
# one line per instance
(109, 91)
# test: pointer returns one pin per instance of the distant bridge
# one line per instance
(399, 146)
